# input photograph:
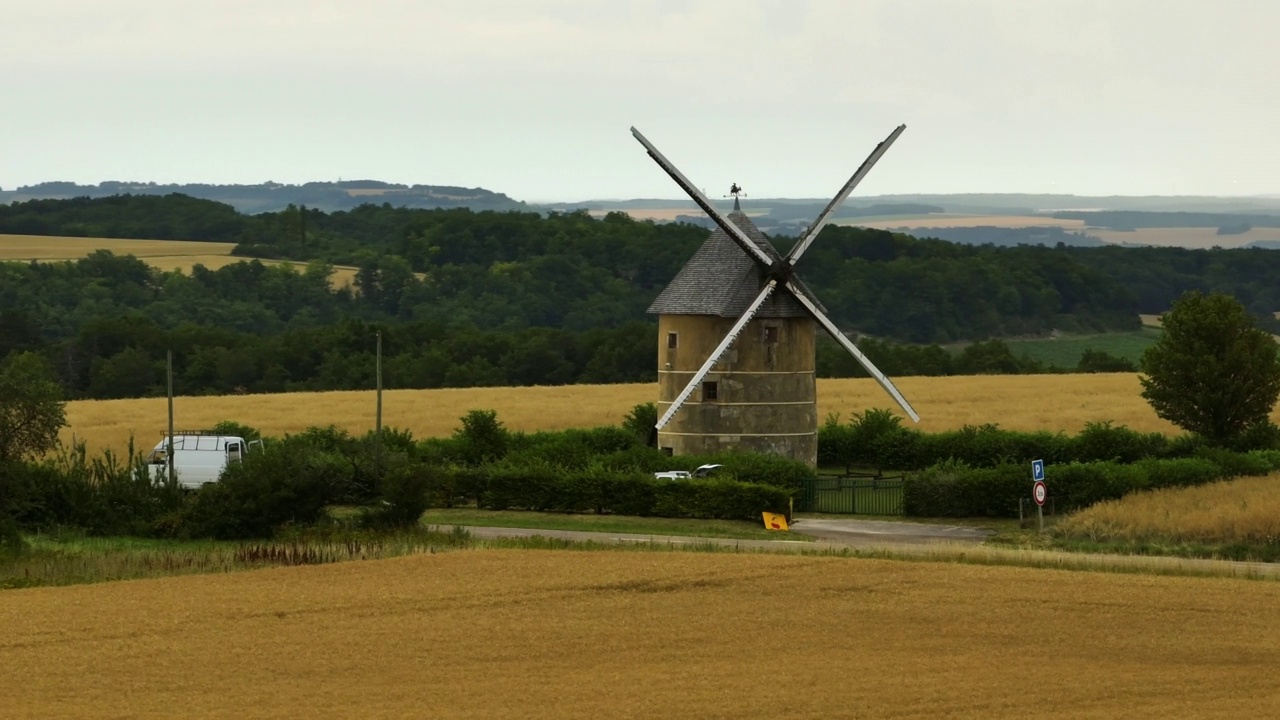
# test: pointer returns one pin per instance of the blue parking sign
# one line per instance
(1037, 470)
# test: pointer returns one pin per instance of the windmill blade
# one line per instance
(725, 223)
(809, 235)
(845, 342)
(715, 354)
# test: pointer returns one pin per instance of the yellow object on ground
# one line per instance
(774, 521)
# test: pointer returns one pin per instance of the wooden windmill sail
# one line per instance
(736, 335)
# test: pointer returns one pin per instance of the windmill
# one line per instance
(736, 336)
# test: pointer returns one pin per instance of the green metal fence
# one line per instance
(852, 495)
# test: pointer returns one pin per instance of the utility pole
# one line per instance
(168, 454)
(377, 427)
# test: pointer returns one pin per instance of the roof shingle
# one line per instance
(722, 279)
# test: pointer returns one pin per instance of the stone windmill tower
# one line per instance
(735, 358)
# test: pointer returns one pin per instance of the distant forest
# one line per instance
(270, 196)
(475, 298)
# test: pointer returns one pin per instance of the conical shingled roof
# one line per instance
(722, 279)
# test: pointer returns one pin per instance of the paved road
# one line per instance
(484, 532)
(886, 532)
(828, 533)
(904, 539)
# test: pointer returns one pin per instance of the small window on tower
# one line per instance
(710, 391)
(672, 340)
(771, 334)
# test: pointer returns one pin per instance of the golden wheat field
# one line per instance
(1185, 237)
(166, 255)
(661, 214)
(512, 633)
(1018, 402)
(341, 276)
(42, 247)
(1188, 237)
(952, 220)
(1244, 510)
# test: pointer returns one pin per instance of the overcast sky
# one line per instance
(535, 98)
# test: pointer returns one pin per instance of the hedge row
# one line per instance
(955, 489)
(483, 441)
(877, 439)
(501, 487)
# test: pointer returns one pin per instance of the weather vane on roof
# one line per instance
(735, 190)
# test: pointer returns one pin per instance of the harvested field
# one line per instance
(1185, 237)
(42, 247)
(496, 633)
(342, 275)
(949, 220)
(166, 255)
(662, 214)
(1019, 402)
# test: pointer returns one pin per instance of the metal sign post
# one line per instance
(1039, 491)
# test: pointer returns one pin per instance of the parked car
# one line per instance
(701, 472)
(199, 457)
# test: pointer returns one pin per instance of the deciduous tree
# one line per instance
(31, 407)
(1213, 372)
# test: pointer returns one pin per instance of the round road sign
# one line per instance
(1039, 492)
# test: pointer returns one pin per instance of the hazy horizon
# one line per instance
(535, 99)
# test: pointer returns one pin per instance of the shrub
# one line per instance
(1102, 441)
(347, 463)
(403, 495)
(397, 440)
(874, 438)
(1100, 361)
(1078, 485)
(955, 489)
(235, 429)
(757, 469)
(286, 483)
(719, 498)
(1178, 472)
(1270, 457)
(1264, 435)
(835, 443)
(641, 421)
(481, 438)
(596, 489)
(989, 446)
(644, 459)
(629, 494)
(15, 491)
(438, 451)
(11, 541)
(1233, 464)
(103, 495)
(573, 448)
(528, 487)
(1184, 445)
(878, 440)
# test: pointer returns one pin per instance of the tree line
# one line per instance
(574, 271)
(105, 324)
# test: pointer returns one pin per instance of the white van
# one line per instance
(198, 457)
(701, 472)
